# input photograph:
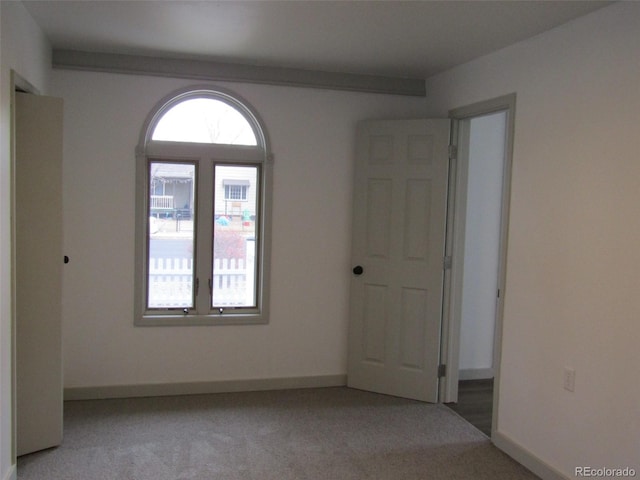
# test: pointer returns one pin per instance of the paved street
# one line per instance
(170, 248)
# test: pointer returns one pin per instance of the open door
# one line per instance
(400, 203)
(38, 271)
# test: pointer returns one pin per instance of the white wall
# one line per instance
(312, 134)
(573, 262)
(25, 50)
(482, 244)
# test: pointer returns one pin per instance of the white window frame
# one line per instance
(229, 192)
(205, 157)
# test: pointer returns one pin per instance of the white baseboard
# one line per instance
(195, 388)
(475, 373)
(12, 473)
(526, 458)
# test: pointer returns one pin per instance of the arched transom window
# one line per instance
(204, 120)
(203, 213)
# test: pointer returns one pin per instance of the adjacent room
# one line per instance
(293, 239)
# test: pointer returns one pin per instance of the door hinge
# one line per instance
(197, 286)
(453, 152)
(442, 370)
(446, 262)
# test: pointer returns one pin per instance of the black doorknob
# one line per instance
(358, 270)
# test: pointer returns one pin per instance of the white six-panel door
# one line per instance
(397, 255)
(38, 269)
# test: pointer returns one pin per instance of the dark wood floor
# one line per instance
(475, 403)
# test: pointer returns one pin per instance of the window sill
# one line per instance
(151, 320)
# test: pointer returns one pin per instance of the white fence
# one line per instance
(230, 282)
(171, 282)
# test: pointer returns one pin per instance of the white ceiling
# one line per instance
(391, 38)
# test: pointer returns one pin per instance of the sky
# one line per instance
(204, 120)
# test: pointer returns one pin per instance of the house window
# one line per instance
(235, 192)
(202, 209)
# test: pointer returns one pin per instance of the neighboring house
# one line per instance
(236, 192)
(171, 190)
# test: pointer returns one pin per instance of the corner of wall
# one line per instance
(525, 457)
(25, 50)
(11, 473)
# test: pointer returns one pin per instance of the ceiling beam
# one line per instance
(233, 72)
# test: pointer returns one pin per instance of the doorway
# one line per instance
(477, 242)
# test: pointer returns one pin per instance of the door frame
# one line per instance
(454, 248)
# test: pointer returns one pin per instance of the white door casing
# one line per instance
(456, 244)
(400, 200)
(38, 271)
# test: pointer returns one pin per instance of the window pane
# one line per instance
(204, 120)
(171, 235)
(235, 236)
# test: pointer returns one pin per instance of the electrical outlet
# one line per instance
(569, 379)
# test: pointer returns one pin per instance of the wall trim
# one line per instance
(12, 473)
(235, 72)
(196, 388)
(475, 373)
(525, 457)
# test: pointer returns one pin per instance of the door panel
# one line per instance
(374, 323)
(38, 269)
(398, 239)
(379, 217)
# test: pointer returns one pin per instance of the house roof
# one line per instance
(172, 170)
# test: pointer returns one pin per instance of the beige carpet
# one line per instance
(314, 434)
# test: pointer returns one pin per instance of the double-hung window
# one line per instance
(202, 212)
